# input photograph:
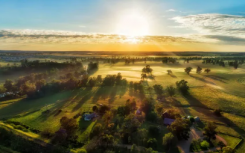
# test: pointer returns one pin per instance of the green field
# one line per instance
(222, 88)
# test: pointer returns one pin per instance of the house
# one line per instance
(197, 119)
(89, 117)
(168, 121)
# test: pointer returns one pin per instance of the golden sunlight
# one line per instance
(133, 24)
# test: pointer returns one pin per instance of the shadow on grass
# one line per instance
(217, 78)
(86, 97)
(201, 79)
(110, 92)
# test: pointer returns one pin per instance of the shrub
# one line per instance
(205, 145)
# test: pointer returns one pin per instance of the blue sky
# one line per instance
(163, 17)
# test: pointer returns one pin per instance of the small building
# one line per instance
(197, 119)
(168, 121)
(89, 117)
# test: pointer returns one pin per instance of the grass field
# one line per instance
(222, 88)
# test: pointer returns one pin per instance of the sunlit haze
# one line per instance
(128, 25)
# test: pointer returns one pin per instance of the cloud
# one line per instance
(52, 36)
(227, 39)
(214, 24)
(171, 10)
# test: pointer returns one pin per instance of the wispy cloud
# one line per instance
(214, 24)
(171, 10)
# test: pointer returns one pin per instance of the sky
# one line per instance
(122, 25)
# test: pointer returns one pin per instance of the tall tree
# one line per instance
(168, 140)
(207, 70)
(210, 130)
(188, 70)
(170, 90)
(199, 70)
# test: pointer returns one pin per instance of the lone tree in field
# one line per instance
(182, 86)
(171, 91)
(169, 72)
(210, 131)
(207, 70)
(199, 70)
(168, 140)
(188, 70)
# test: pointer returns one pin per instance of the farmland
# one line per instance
(222, 88)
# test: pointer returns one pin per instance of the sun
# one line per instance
(133, 24)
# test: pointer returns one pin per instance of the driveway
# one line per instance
(184, 145)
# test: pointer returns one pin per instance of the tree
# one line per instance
(205, 144)
(96, 130)
(169, 72)
(181, 128)
(40, 83)
(221, 144)
(147, 105)
(152, 143)
(210, 130)
(199, 70)
(182, 86)
(158, 89)
(2, 89)
(70, 125)
(235, 64)
(8, 85)
(168, 140)
(170, 91)
(107, 118)
(188, 70)
(107, 139)
(207, 70)
(134, 149)
(151, 116)
(99, 78)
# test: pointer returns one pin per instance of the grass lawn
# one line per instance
(231, 141)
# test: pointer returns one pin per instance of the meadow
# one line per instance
(223, 88)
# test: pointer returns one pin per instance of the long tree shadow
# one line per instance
(86, 97)
(193, 101)
(102, 92)
(217, 78)
(201, 79)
